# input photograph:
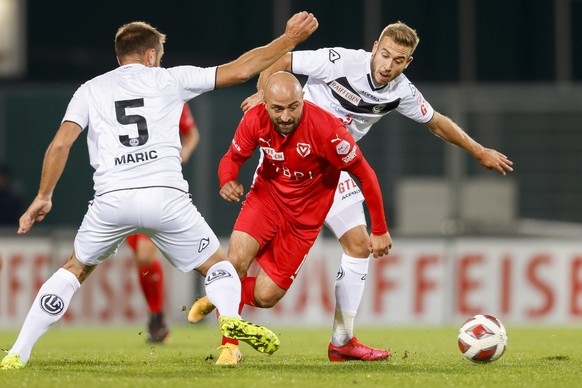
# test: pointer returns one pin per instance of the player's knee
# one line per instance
(356, 242)
(267, 300)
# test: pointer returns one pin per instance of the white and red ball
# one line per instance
(482, 338)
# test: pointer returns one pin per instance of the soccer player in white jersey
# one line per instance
(360, 88)
(132, 116)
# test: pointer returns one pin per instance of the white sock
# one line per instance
(223, 288)
(349, 289)
(48, 307)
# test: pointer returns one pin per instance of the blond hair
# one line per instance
(402, 35)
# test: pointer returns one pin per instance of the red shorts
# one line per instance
(284, 245)
(132, 240)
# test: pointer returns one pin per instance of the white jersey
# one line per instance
(339, 81)
(132, 114)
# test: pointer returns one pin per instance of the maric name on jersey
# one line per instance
(350, 156)
(136, 157)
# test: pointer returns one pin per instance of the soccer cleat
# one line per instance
(201, 308)
(354, 350)
(259, 337)
(157, 329)
(230, 354)
(12, 361)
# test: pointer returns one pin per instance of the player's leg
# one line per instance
(151, 280)
(50, 304)
(187, 241)
(97, 239)
(347, 221)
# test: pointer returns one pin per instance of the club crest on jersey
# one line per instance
(343, 147)
(333, 55)
(52, 304)
(303, 149)
(378, 108)
(203, 244)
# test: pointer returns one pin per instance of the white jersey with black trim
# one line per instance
(132, 114)
(339, 81)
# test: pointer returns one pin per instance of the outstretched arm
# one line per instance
(54, 163)
(299, 28)
(448, 130)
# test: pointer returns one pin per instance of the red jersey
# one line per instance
(300, 171)
(186, 120)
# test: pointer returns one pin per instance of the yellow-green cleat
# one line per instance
(259, 337)
(12, 361)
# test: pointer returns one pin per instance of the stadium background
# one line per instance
(508, 71)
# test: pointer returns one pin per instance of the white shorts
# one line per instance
(347, 210)
(167, 216)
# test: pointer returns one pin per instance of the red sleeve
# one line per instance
(187, 121)
(372, 193)
(241, 148)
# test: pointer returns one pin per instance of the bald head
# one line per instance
(284, 101)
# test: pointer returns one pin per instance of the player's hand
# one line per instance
(380, 245)
(494, 160)
(36, 212)
(232, 191)
(252, 101)
(301, 26)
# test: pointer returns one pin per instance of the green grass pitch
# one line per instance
(428, 357)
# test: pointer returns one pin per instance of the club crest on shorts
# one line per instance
(303, 149)
(203, 244)
(52, 304)
(218, 274)
(340, 273)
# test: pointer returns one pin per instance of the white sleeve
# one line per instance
(193, 80)
(414, 106)
(319, 64)
(78, 109)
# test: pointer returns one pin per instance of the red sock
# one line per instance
(151, 279)
(247, 297)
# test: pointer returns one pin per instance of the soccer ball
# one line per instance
(482, 338)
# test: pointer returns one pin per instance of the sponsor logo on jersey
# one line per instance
(218, 274)
(268, 142)
(52, 304)
(236, 146)
(333, 55)
(303, 149)
(136, 157)
(272, 154)
(343, 147)
(345, 93)
(369, 95)
(350, 156)
(203, 243)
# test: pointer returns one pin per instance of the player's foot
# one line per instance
(12, 361)
(157, 328)
(354, 350)
(230, 354)
(201, 308)
(259, 337)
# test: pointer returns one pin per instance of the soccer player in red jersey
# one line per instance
(305, 149)
(150, 270)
